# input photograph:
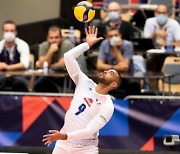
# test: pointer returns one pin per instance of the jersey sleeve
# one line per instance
(71, 63)
(98, 122)
(104, 115)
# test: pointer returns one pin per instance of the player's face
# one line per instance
(109, 76)
(54, 37)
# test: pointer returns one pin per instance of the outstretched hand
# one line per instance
(53, 136)
(91, 35)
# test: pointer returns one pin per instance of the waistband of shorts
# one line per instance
(79, 143)
(84, 142)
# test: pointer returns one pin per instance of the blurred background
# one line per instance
(144, 120)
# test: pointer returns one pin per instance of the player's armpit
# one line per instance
(103, 118)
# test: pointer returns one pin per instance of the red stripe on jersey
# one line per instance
(89, 101)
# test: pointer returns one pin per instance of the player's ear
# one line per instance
(114, 85)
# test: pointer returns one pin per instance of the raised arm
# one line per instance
(71, 56)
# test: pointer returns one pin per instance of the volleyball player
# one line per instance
(91, 107)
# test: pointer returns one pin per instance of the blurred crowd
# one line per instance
(116, 51)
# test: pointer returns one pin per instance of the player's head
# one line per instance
(54, 35)
(110, 78)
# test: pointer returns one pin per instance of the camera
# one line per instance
(171, 140)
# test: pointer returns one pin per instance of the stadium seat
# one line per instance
(171, 67)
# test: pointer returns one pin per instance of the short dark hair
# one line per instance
(9, 22)
(119, 80)
(111, 28)
(55, 28)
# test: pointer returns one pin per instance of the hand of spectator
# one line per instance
(3, 66)
(161, 33)
(121, 66)
(118, 42)
(54, 47)
(161, 42)
(91, 36)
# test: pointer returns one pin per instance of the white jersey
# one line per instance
(87, 105)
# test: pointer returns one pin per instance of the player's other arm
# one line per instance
(98, 122)
(92, 128)
(71, 56)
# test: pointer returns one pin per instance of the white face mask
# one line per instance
(113, 40)
(114, 15)
(161, 19)
(9, 36)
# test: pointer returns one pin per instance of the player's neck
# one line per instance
(102, 89)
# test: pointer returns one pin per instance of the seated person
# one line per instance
(52, 51)
(116, 53)
(125, 28)
(162, 29)
(14, 56)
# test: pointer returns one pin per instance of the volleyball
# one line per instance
(84, 11)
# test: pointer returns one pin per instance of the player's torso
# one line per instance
(84, 106)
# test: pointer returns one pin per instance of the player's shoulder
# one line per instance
(108, 103)
(107, 109)
(90, 83)
(86, 81)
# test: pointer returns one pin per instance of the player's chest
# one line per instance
(88, 102)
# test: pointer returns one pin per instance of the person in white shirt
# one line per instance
(91, 107)
(14, 55)
(162, 29)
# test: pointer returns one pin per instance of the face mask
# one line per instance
(9, 36)
(114, 15)
(113, 40)
(161, 19)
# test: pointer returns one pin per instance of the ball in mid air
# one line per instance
(84, 11)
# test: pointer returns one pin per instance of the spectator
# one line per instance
(116, 53)
(52, 51)
(14, 56)
(161, 28)
(125, 28)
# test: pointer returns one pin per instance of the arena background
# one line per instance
(138, 124)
